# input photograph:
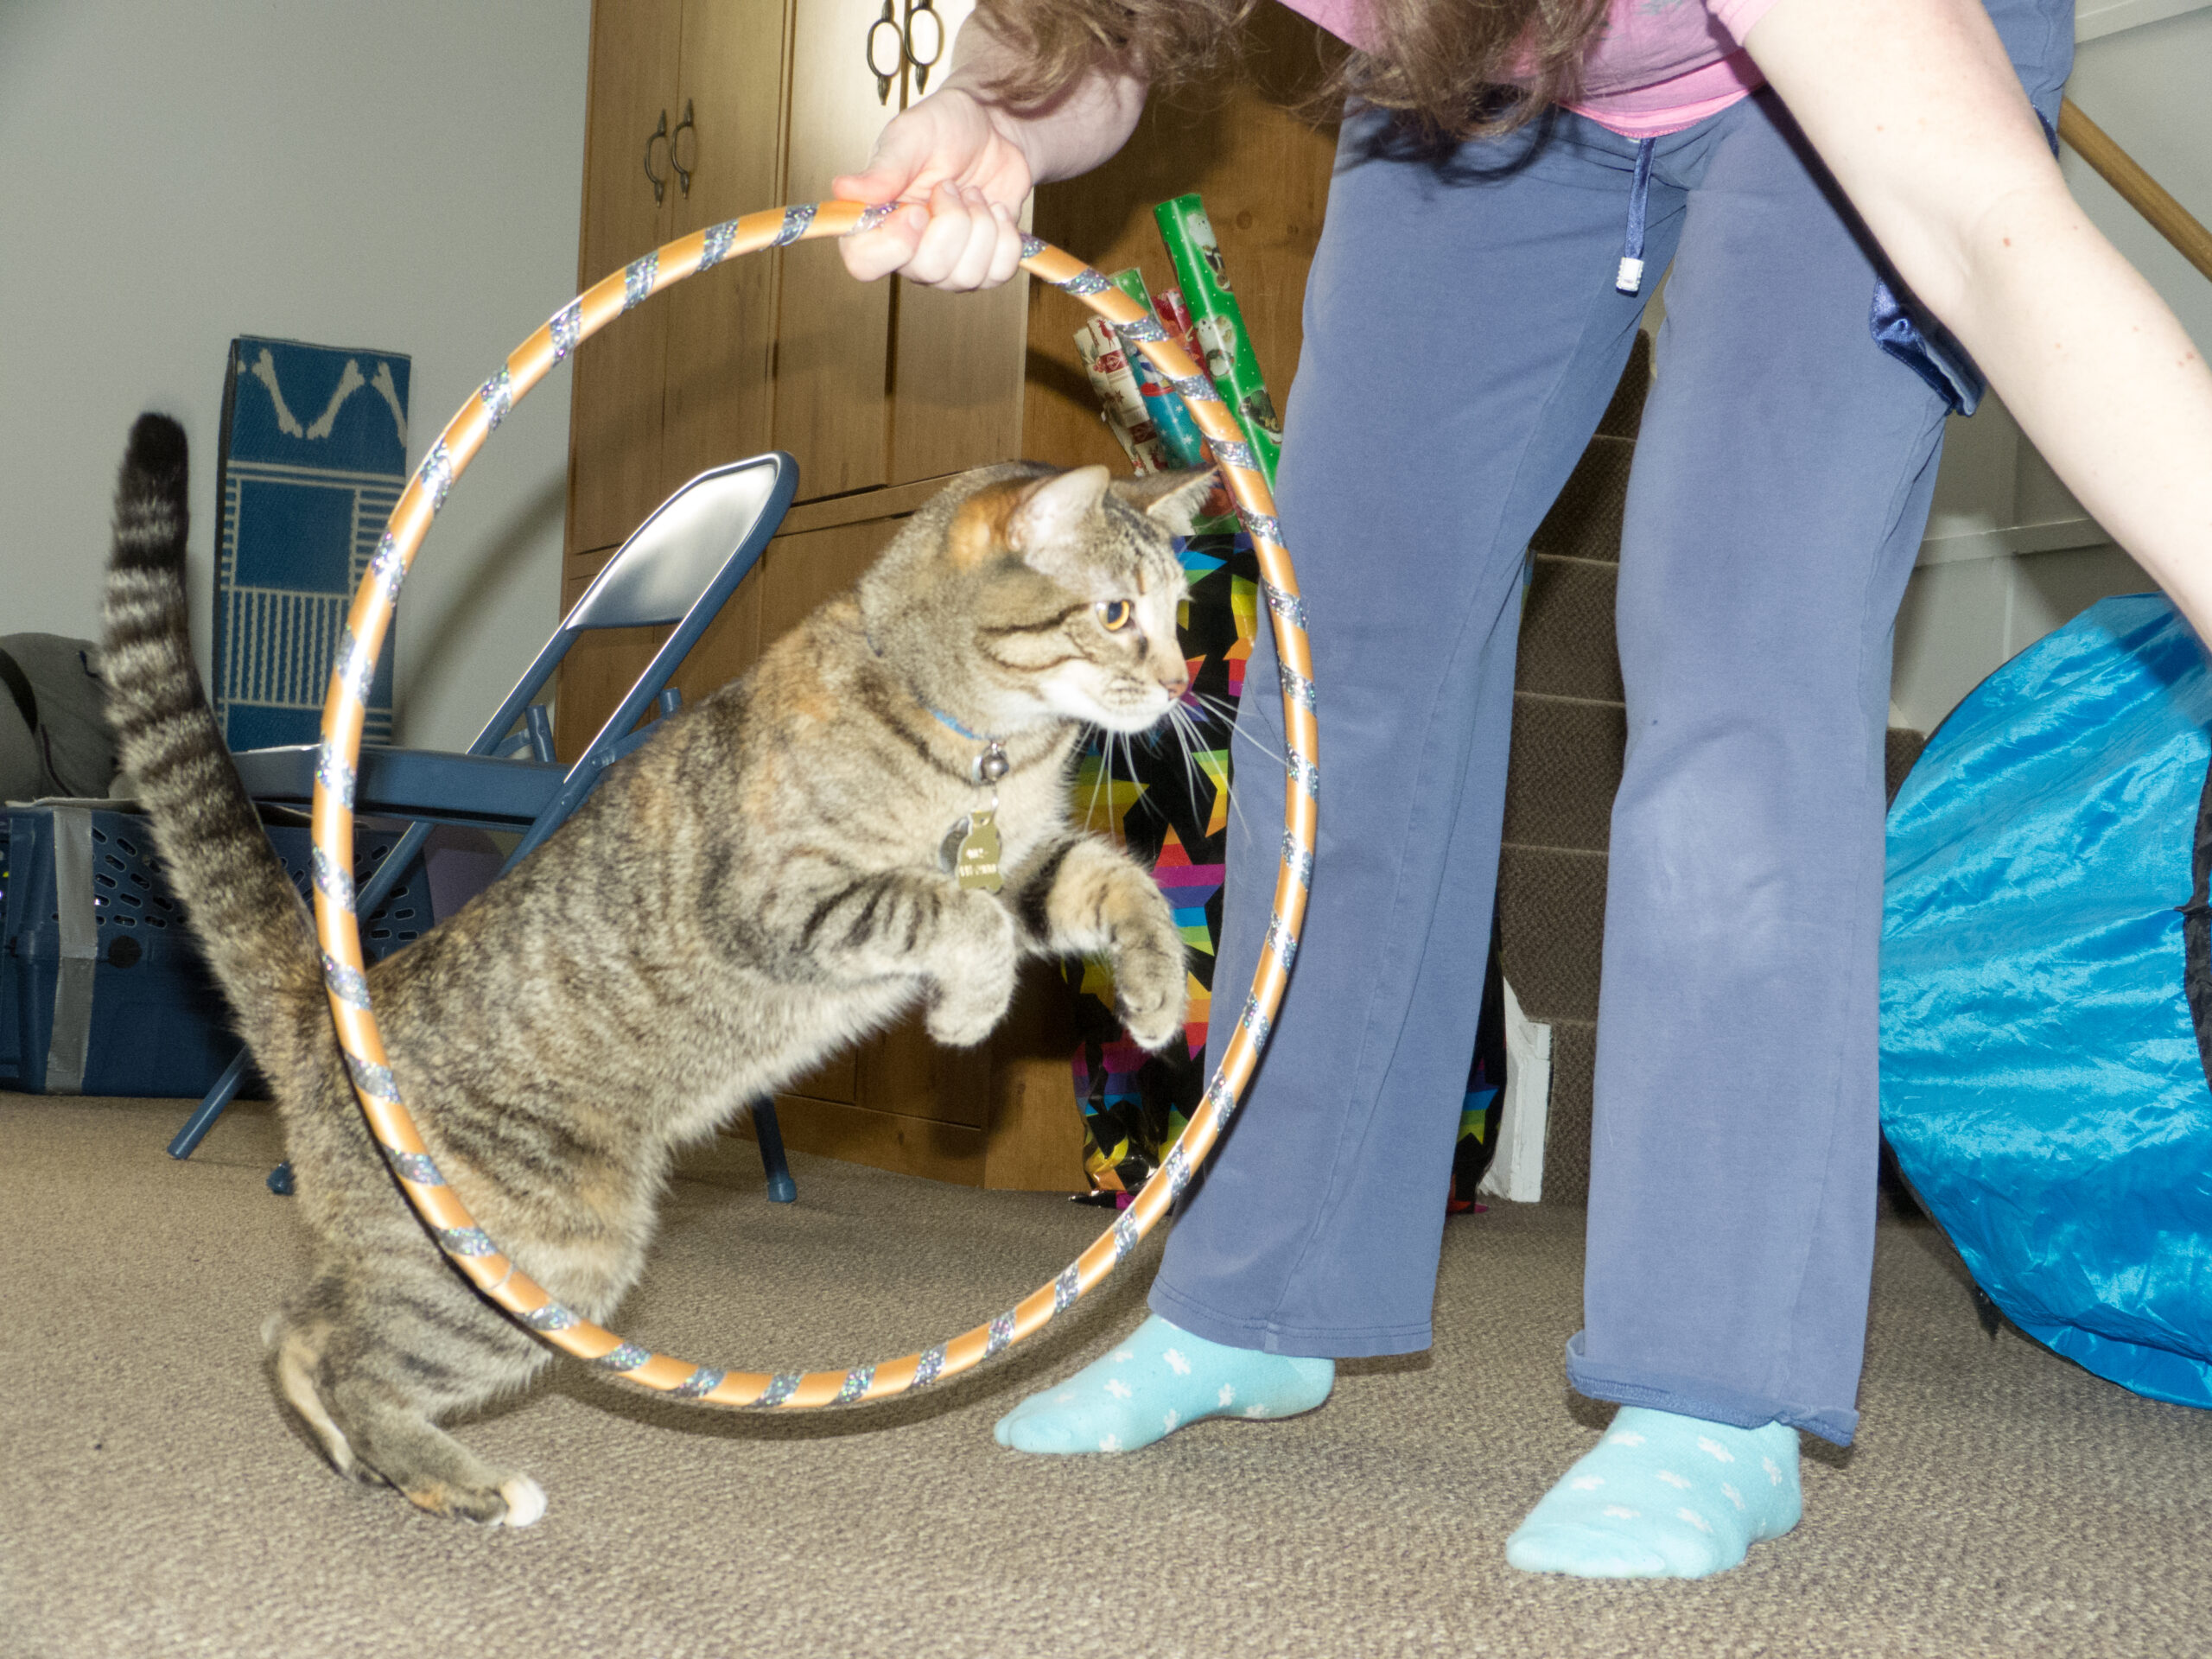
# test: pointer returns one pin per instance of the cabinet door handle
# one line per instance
(660, 136)
(916, 12)
(885, 77)
(682, 173)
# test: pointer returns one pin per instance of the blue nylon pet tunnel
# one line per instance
(2046, 994)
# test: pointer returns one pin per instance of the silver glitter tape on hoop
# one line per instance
(436, 475)
(1282, 942)
(1289, 607)
(796, 222)
(1125, 1236)
(700, 1383)
(1307, 774)
(1085, 282)
(333, 883)
(1222, 1098)
(416, 1166)
(623, 1357)
(497, 396)
(356, 668)
(1254, 1022)
(638, 279)
(567, 324)
(334, 775)
(1235, 453)
(720, 239)
(346, 984)
(871, 216)
(1300, 860)
(388, 569)
(1195, 389)
(1002, 1337)
(553, 1317)
(1264, 526)
(1144, 329)
(1032, 246)
(470, 1240)
(371, 1078)
(1296, 686)
(1065, 1289)
(1177, 1170)
(856, 1384)
(930, 1368)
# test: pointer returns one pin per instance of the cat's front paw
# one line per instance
(974, 969)
(1152, 1012)
(1151, 983)
(960, 1019)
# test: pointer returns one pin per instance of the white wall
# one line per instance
(404, 175)
(2009, 554)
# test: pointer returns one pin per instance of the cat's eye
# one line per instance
(1114, 614)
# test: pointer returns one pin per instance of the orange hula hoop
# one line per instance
(470, 1249)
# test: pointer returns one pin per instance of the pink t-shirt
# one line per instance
(1658, 66)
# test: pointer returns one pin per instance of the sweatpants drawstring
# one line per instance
(1630, 279)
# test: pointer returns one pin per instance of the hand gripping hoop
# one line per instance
(337, 928)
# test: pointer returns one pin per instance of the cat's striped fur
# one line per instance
(757, 886)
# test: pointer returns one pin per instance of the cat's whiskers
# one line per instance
(1225, 712)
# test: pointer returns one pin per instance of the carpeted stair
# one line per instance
(1570, 732)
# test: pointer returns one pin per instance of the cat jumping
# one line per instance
(873, 818)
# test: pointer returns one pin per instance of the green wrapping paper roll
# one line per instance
(1189, 235)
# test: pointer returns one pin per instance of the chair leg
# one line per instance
(195, 1129)
(781, 1188)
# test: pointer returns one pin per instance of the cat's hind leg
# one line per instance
(371, 1378)
(296, 1348)
(398, 1440)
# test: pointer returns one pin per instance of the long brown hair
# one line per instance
(1455, 67)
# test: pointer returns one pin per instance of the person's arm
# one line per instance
(1916, 112)
(965, 162)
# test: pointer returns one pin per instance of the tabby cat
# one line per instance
(765, 882)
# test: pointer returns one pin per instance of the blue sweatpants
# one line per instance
(1463, 335)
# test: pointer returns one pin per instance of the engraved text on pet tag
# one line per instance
(976, 863)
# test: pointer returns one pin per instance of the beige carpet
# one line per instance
(153, 1501)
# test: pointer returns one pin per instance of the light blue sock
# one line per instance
(1663, 1497)
(1152, 1384)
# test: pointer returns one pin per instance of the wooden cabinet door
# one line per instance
(1264, 174)
(614, 427)
(957, 358)
(832, 334)
(721, 323)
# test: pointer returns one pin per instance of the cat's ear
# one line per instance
(1172, 500)
(1052, 510)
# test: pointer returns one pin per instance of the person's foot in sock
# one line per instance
(1151, 1384)
(1663, 1497)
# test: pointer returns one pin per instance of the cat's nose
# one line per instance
(1176, 682)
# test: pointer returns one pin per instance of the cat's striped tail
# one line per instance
(248, 919)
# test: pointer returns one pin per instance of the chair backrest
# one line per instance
(673, 558)
(680, 565)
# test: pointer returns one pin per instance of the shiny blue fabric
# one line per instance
(2042, 1083)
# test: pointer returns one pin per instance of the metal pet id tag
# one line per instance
(976, 863)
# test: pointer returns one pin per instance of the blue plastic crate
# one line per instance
(159, 1027)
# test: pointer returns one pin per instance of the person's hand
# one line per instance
(956, 169)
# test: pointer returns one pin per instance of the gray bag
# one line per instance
(54, 739)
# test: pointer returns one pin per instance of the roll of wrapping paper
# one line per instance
(1108, 364)
(1176, 316)
(1179, 433)
(1189, 235)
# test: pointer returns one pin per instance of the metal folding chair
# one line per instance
(680, 565)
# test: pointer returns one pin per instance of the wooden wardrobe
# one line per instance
(702, 110)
